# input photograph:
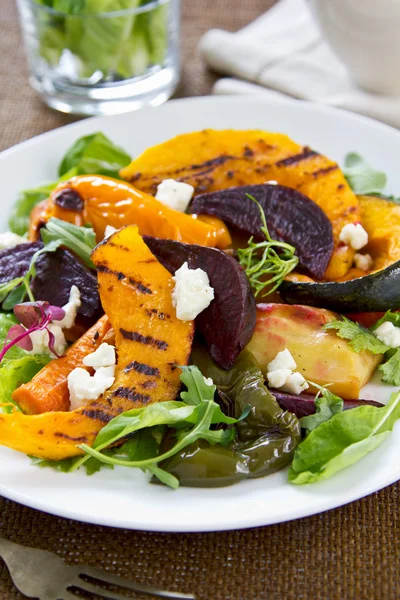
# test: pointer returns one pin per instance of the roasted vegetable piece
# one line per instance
(150, 342)
(56, 273)
(265, 440)
(228, 323)
(376, 291)
(304, 405)
(136, 292)
(215, 160)
(290, 216)
(320, 356)
(48, 390)
(103, 201)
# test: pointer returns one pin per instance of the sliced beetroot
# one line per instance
(304, 405)
(290, 216)
(227, 325)
(56, 273)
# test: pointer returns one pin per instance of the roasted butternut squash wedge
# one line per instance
(150, 341)
(136, 293)
(213, 160)
(320, 355)
(48, 390)
(103, 201)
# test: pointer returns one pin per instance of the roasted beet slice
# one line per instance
(290, 216)
(303, 405)
(228, 323)
(56, 273)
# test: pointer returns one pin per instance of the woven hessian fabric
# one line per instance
(351, 553)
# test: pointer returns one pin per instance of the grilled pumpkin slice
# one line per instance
(136, 293)
(213, 160)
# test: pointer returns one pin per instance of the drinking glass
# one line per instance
(87, 62)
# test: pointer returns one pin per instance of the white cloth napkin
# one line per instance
(283, 51)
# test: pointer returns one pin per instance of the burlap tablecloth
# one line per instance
(351, 553)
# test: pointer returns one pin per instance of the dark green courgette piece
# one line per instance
(376, 292)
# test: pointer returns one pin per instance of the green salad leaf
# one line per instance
(81, 240)
(361, 177)
(360, 338)
(94, 154)
(343, 440)
(327, 404)
(91, 154)
(17, 366)
(391, 368)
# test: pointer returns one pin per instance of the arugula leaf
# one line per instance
(192, 419)
(81, 240)
(94, 154)
(343, 440)
(198, 389)
(360, 338)
(327, 404)
(361, 177)
(16, 372)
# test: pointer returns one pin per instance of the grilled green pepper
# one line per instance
(265, 439)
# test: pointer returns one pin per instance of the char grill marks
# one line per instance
(103, 268)
(135, 336)
(131, 394)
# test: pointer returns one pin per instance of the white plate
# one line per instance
(123, 498)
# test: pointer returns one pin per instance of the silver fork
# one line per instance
(44, 575)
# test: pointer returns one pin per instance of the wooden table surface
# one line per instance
(351, 553)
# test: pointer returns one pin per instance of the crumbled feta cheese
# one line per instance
(9, 240)
(70, 309)
(279, 377)
(388, 334)
(104, 356)
(295, 384)
(280, 374)
(272, 182)
(175, 194)
(109, 231)
(208, 380)
(283, 360)
(363, 261)
(192, 292)
(40, 340)
(84, 387)
(354, 236)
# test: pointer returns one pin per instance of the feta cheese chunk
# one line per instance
(104, 356)
(278, 378)
(40, 340)
(8, 239)
(192, 292)
(208, 380)
(109, 231)
(175, 194)
(70, 309)
(84, 387)
(283, 360)
(363, 261)
(295, 384)
(388, 334)
(354, 236)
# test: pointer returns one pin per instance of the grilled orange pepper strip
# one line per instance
(103, 201)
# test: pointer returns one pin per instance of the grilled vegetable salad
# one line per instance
(207, 312)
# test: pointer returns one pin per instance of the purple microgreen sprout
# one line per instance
(33, 316)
